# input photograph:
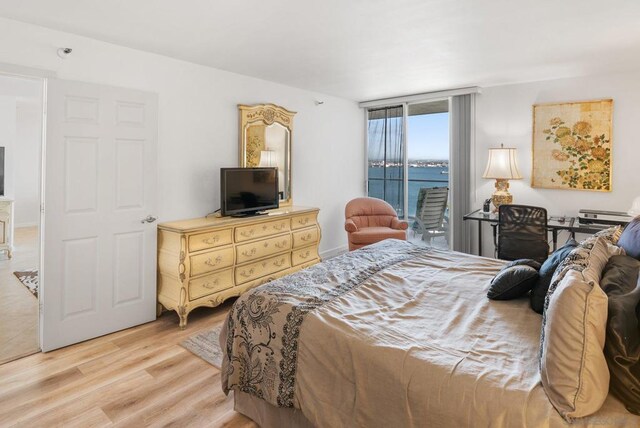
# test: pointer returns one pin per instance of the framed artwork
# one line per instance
(572, 145)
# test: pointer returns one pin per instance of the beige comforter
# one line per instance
(415, 343)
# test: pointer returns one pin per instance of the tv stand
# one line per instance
(204, 261)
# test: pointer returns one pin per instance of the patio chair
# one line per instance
(431, 220)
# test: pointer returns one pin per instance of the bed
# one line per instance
(392, 335)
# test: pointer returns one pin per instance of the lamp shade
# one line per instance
(502, 164)
(268, 158)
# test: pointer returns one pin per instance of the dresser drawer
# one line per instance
(203, 241)
(210, 261)
(305, 237)
(304, 255)
(210, 284)
(305, 220)
(254, 231)
(262, 248)
(256, 270)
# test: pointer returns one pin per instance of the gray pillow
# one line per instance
(512, 282)
(622, 345)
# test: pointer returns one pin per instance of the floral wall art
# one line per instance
(572, 145)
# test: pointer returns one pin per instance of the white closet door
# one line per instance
(99, 268)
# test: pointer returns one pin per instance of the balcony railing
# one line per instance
(410, 180)
(413, 191)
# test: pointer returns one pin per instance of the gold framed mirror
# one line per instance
(266, 133)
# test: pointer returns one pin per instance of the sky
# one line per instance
(427, 136)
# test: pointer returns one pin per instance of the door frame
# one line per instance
(20, 72)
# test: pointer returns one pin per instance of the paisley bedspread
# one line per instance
(394, 335)
(263, 327)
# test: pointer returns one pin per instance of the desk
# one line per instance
(554, 224)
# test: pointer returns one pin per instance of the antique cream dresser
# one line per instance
(6, 225)
(203, 261)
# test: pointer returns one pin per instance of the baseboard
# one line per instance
(328, 254)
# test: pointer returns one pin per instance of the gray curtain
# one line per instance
(462, 141)
(385, 132)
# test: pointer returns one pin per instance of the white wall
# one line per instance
(27, 164)
(504, 115)
(22, 115)
(8, 139)
(198, 130)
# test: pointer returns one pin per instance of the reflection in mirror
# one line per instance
(265, 140)
(269, 146)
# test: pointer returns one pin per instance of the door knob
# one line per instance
(148, 219)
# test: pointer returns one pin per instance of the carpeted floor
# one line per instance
(29, 278)
(205, 345)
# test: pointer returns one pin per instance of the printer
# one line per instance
(603, 218)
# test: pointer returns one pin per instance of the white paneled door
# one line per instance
(99, 268)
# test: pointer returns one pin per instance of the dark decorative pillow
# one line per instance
(630, 239)
(524, 262)
(512, 282)
(622, 346)
(539, 290)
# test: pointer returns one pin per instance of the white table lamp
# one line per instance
(502, 166)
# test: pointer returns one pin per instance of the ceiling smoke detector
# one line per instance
(64, 52)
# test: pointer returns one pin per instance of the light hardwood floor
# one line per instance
(18, 307)
(133, 378)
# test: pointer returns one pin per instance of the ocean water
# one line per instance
(433, 175)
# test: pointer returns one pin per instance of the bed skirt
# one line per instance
(266, 415)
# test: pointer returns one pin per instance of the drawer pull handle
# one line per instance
(278, 226)
(215, 262)
(305, 255)
(306, 237)
(278, 263)
(303, 221)
(247, 233)
(246, 274)
(212, 240)
(281, 244)
(210, 285)
(249, 253)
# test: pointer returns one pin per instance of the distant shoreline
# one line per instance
(417, 164)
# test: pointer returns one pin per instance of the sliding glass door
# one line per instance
(427, 149)
(408, 153)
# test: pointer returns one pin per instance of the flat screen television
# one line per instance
(247, 191)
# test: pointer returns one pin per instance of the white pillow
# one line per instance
(600, 254)
(573, 368)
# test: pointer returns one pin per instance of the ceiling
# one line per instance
(364, 49)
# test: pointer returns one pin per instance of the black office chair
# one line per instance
(522, 233)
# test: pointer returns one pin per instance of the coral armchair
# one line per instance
(370, 220)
